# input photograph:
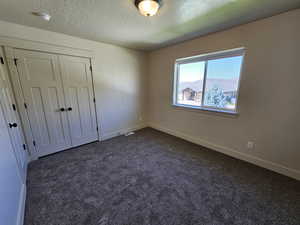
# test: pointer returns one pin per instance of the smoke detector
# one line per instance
(43, 15)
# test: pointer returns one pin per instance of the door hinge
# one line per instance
(15, 61)
(24, 146)
(2, 60)
(14, 107)
(94, 100)
(91, 68)
(25, 105)
(34, 143)
(97, 128)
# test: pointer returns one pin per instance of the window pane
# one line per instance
(222, 81)
(190, 83)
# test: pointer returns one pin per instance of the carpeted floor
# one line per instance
(152, 178)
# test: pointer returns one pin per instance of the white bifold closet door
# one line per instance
(41, 83)
(13, 123)
(78, 89)
(58, 91)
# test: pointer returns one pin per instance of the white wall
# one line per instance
(119, 76)
(269, 103)
(10, 180)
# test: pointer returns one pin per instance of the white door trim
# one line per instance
(45, 47)
(21, 210)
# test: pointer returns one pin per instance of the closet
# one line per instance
(57, 96)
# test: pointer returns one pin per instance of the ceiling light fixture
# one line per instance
(43, 15)
(148, 7)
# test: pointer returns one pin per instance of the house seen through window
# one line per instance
(210, 81)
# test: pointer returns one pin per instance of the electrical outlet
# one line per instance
(250, 145)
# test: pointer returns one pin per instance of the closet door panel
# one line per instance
(7, 103)
(78, 86)
(42, 88)
(76, 128)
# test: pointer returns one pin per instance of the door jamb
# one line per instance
(92, 64)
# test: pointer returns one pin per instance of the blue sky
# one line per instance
(226, 68)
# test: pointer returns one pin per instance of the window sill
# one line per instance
(207, 110)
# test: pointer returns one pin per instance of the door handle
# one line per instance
(70, 109)
(62, 109)
(11, 125)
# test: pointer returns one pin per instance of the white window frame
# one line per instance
(205, 58)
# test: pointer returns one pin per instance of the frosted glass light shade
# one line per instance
(148, 7)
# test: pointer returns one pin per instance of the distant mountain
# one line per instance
(225, 84)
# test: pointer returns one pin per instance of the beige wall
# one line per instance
(269, 103)
(119, 76)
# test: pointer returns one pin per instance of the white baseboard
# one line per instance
(21, 210)
(234, 153)
(121, 132)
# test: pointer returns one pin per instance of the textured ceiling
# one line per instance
(118, 21)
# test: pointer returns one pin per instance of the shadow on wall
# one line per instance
(202, 23)
(120, 90)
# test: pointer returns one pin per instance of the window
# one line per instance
(209, 82)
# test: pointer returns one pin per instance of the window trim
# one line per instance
(205, 57)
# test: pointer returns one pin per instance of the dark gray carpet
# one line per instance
(152, 178)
